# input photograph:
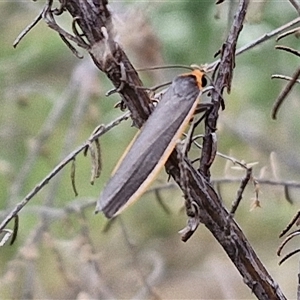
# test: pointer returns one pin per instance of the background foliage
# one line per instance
(42, 73)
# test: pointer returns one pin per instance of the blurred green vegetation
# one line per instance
(35, 75)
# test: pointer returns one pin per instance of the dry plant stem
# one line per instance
(287, 33)
(15, 230)
(240, 192)
(288, 256)
(212, 212)
(230, 14)
(223, 79)
(289, 184)
(217, 219)
(92, 16)
(81, 204)
(268, 36)
(288, 49)
(58, 168)
(287, 239)
(282, 96)
(284, 93)
(291, 223)
(288, 78)
(94, 20)
(73, 176)
(27, 29)
(260, 40)
(287, 194)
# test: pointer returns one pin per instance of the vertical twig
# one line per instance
(284, 93)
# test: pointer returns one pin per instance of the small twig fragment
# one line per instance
(289, 32)
(288, 78)
(240, 191)
(284, 93)
(290, 224)
(286, 240)
(288, 49)
(99, 160)
(7, 235)
(27, 29)
(73, 169)
(69, 45)
(192, 223)
(10, 233)
(287, 194)
(289, 255)
(95, 151)
(15, 229)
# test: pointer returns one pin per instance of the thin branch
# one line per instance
(287, 239)
(288, 78)
(288, 49)
(95, 22)
(290, 225)
(80, 204)
(27, 29)
(240, 192)
(282, 96)
(288, 256)
(259, 40)
(108, 57)
(73, 171)
(59, 167)
(287, 33)
(268, 36)
(291, 184)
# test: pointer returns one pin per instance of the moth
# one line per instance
(152, 147)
